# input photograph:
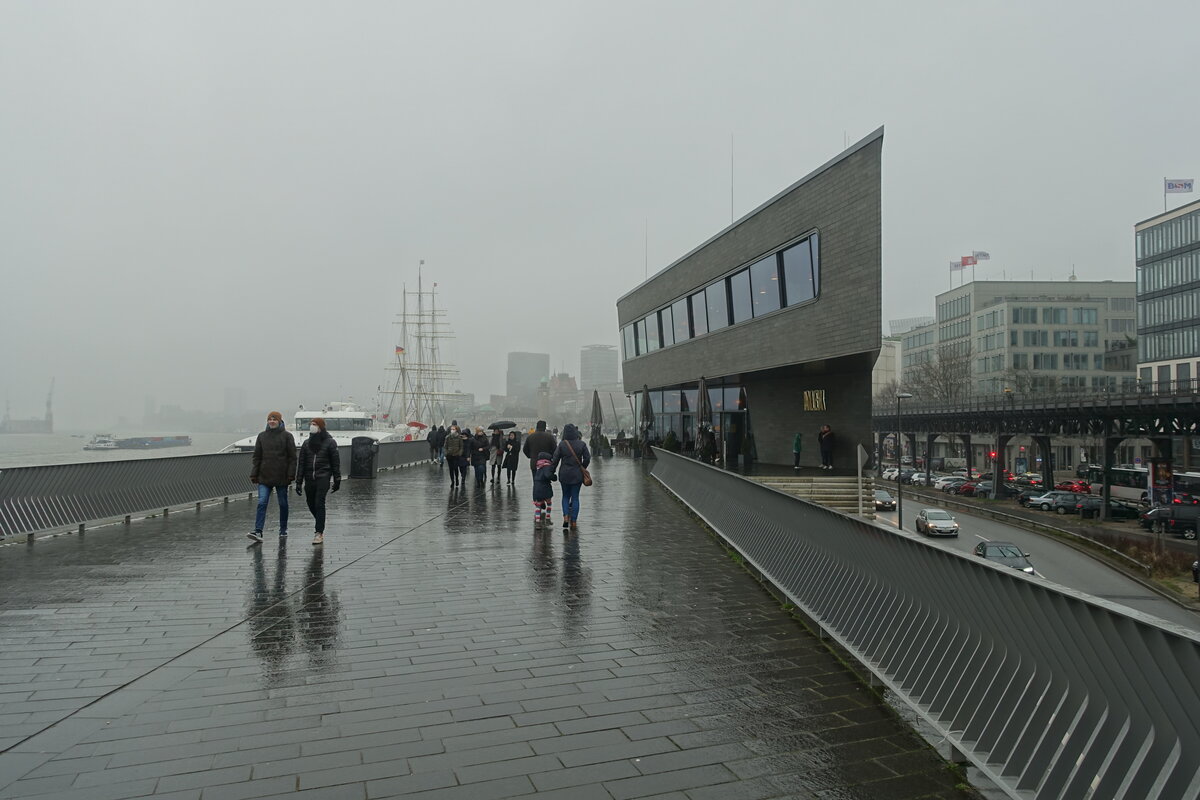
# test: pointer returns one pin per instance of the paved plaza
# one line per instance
(435, 647)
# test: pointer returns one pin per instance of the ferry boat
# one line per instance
(344, 421)
(101, 441)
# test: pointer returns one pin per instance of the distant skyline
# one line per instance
(207, 195)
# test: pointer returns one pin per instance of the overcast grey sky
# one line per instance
(211, 194)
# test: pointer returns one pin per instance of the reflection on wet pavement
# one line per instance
(436, 641)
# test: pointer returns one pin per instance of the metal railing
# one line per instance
(1051, 693)
(34, 499)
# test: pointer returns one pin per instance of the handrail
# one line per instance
(1050, 692)
(34, 499)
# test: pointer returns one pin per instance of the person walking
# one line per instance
(320, 465)
(481, 453)
(453, 451)
(497, 446)
(536, 442)
(797, 445)
(571, 458)
(431, 440)
(543, 489)
(273, 468)
(825, 442)
(441, 445)
(512, 456)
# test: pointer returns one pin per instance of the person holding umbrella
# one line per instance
(497, 447)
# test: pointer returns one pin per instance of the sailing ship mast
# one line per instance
(419, 392)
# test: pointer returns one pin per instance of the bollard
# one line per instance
(81, 527)
(128, 518)
(166, 511)
(197, 508)
(29, 538)
(226, 501)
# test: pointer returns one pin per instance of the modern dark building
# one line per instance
(1168, 298)
(526, 371)
(779, 312)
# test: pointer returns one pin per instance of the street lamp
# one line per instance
(899, 467)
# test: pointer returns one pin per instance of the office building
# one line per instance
(1168, 298)
(526, 371)
(779, 313)
(1024, 337)
(597, 367)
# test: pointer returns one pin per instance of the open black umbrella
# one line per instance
(501, 425)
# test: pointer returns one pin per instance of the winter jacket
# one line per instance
(570, 471)
(512, 453)
(825, 440)
(274, 458)
(535, 443)
(319, 458)
(454, 444)
(481, 451)
(542, 477)
(439, 436)
(797, 443)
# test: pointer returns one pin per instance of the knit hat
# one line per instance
(319, 422)
(275, 415)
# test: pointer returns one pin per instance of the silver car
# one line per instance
(936, 522)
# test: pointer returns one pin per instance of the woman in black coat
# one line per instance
(319, 466)
(571, 458)
(512, 456)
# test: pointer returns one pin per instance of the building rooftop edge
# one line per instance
(870, 138)
(1164, 216)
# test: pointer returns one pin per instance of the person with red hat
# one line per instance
(273, 469)
(319, 466)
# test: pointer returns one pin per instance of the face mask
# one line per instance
(313, 429)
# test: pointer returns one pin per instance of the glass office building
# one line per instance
(1168, 299)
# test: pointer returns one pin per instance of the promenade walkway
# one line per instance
(435, 647)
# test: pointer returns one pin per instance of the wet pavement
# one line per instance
(436, 646)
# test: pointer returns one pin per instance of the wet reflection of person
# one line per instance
(543, 570)
(319, 616)
(576, 589)
(272, 627)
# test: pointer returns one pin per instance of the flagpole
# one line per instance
(1164, 194)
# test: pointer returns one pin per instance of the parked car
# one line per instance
(1079, 487)
(1180, 520)
(942, 482)
(1005, 553)
(1066, 503)
(889, 474)
(984, 489)
(1024, 496)
(920, 479)
(952, 484)
(884, 501)
(962, 473)
(936, 522)
(1028, 479)
(967, 489)
(1089, 508)
(1046, 500)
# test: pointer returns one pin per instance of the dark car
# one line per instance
(1005, 553)
(984, 489)
(967, 489)
(1025, 495)
(1180, 520)
(884, 501)
(1089, 508)
(1066, 502)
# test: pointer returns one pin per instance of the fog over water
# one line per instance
(200, 196)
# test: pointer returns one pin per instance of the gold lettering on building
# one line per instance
(814, 400)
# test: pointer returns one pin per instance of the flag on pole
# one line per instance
(956, 266)
(399, 350)
(968, 261)
(981, 255)
(1179, 185)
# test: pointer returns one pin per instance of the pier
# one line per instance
(436, 646)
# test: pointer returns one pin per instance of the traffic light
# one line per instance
(992, 455)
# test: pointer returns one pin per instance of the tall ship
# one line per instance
(10, 425)
(419, 379)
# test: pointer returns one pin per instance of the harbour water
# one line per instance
(36, 449)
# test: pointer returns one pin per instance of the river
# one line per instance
(35, 449)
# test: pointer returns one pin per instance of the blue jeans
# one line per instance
(571, 500)
(264, 496)
(480, 473)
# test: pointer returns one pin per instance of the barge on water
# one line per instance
(106, 441)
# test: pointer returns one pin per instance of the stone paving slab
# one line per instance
(436, 646)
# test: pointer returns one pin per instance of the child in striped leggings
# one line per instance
(543, 490)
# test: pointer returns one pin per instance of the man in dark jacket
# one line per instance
(320, 464)
(481, 453)
(273, 468)
(536, 442)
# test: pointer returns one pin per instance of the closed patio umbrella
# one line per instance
(647, 421)
(596, 421)
(705, 446)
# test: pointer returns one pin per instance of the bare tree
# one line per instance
(885, 398)
(946, 378)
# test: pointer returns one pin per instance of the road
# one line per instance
(1054, 561)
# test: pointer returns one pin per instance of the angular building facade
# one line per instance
(1168, 299)
(779, 313)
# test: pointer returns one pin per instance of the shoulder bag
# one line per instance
(587, 476)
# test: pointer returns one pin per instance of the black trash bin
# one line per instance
(363, 453)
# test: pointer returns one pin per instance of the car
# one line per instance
(1023, 497)
(1045, 501)
(1182, 520)
(936, 522)
(944, 481)
(984, 489)
(951, 486)
(1089, 508)
(1066, 503)
(1005, 553)
(1082, 470)
(919, 479)
(889, 474)
(967, 489)
(884, 501)
(1079, 487)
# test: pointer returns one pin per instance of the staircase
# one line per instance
(840, 494)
